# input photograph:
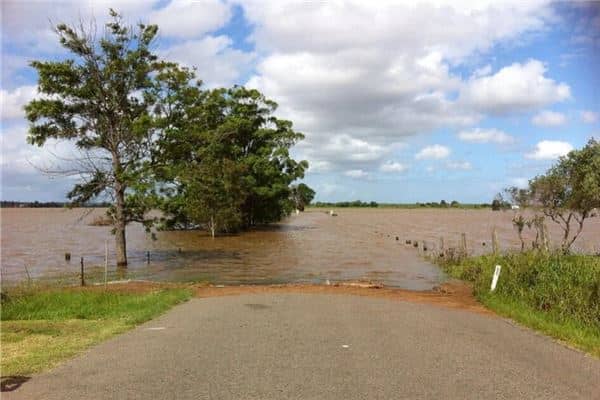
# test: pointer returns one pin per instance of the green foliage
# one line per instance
(227, 164)
(567, 287)
(150, 136)
(568, 193)
(102, 99)
(302, 195)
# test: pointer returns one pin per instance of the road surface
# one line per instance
(321, 346)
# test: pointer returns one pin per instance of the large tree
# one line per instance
(102, 99)
(228, 163)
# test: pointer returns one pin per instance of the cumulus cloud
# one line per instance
(13, 101)
(393, 166)
(433, 152)
(515, 88)
(549, 119)
(549, 150)
(217, 62)
(357, 174)
(190, 18)
(479, 135)
(589, 117)
(380, 71)
(459, 165)
(343, 151)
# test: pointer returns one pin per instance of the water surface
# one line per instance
(307, 248)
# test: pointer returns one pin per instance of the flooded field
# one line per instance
(307, 248)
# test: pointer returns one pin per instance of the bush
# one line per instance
(566, 286)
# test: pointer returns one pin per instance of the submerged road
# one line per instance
(318, 346)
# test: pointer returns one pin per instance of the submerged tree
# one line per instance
(302, 195)
(101, 99)
(228, 161)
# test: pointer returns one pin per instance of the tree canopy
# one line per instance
(150, 136)
(568, 193)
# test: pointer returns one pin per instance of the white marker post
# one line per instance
(495, 278)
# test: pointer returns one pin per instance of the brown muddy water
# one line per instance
(358, 244)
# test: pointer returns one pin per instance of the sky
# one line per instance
(400, 101)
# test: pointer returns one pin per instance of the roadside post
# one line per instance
(495, 277)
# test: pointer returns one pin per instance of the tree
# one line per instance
(101, 99)
(569, 192)
(237, 126)
(302, 195)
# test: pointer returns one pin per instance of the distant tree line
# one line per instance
(151, 137)
(47, 204)
(346, 204)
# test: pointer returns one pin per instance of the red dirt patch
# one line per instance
(453, 294)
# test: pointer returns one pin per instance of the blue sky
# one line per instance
(399, 102)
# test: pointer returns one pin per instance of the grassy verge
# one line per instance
(42, 327)
(556, 294)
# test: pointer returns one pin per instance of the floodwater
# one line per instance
(312, 247)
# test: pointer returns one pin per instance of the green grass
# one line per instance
(42, 327)
(556, 294)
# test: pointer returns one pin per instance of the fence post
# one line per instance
(463, 244)
(82, 273)
(494, 241)
(105, 262)
(441, 245)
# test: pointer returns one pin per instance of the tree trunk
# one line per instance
(120, 223)
(212, 226)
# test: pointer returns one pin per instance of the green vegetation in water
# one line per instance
(554, 293)
(42, 327)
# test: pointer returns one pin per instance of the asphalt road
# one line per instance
(308, 346)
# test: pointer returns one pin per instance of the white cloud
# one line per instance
(459, 165)
(342, 152)
(433, 152)
(190, 18)
(218, 64)
(549, 150)
(357, 174)
(589, 117)
(393, 166)
(13, 101)
(378, 71)
(549, 119)
(515, 88)
(479, 135)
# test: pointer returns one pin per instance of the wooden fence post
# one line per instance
(495, 241)
(82, 273)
